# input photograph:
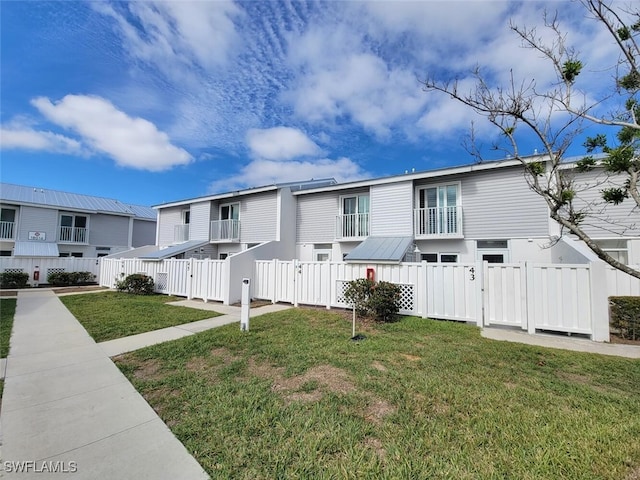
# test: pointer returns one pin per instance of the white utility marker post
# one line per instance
(244, 305)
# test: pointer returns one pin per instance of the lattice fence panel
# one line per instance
(407, 298)
(162, 281)
(13, 270)
(54, 270)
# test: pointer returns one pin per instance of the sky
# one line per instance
(152, 102)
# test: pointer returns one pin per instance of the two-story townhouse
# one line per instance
(217, 226)
(483, 211)
(39, 222)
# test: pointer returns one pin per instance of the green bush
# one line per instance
(380, 300)
(625, 316)
(136, 283)
(357, 294)
(13, 279)
(64, 279)
(384, 301)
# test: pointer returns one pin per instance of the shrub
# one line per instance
(625, 316)
(357, 294)
(136, 283)
(63, 279)
(381, 300)
(13, 279)
(384, 301)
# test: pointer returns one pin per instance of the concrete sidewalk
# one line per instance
(135, 342)
(66, 406)
(563, 342)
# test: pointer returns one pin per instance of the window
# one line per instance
(430, 257)
(322, 252)
(449, 258)
(438, 210)
(230, 211)
(355, 216)
(186, 217)
(7, 222)
(442, 257)
(618, 249)
(228, 228)
(73, 228)
(493, 257)
(223, 256)
(5, 253)
(493, 251)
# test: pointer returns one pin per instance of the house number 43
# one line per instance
(472, 274)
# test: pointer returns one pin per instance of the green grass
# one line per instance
(109, 315)
(295, 398)
(7, 311)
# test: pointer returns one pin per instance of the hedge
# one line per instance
(625, 317)
(64, 279)
(13, 279)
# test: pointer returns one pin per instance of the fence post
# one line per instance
(599, 302)
(226, 282)
(295, 282)
(531, 319)
(274, 282)
(480, 290)
(423, 292)
(190, 279)
(327, 265)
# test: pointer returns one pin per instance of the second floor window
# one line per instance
(7, 222)
(355, 216)
(438, 212)
(73, 228)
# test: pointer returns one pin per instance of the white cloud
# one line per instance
(280, 143)
(268, 172)
(175, 34)
(131, 141)
(26, 138)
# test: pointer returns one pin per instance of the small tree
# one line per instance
(380, 300)
(534, 109)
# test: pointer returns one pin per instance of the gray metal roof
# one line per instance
(174, 250)
(380, 249)
(23, 195)
(36, 249)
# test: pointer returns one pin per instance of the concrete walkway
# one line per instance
(563, 342)
(66, 406)
(232, 315)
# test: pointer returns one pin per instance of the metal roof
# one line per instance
(20, 194)
(380, 249)
(173, 250)
(36, 249)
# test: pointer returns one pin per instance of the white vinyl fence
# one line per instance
(563, 298)
(44, 266)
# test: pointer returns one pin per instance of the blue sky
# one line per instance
(150, 102)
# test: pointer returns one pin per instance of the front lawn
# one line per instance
(296, 398)
(109, 315)
(7, 311)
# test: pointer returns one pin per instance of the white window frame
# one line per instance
(457, 255)
(615, 250)
(458, 185)
(356, 196)
(230, 204)
(186, 213)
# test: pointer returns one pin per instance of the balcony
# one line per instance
(352, 226)
(225, 230)
(73, 235)
(438, 222)
(6, 230)
(181, 233)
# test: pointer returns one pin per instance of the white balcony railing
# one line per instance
(225, 230)
(181, 233)
(438, 222)
(6, 230)
(353, 225)
(73, 235)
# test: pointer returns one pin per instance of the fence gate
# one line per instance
(454, 291)
(505, 294)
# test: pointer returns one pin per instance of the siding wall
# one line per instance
(168, 218)
(392, 209)
(144, 233)
(258, 217)
(605, 220)
(316, 217)
(200, 221)
(108, 230)
(499, 204)
(34, 219)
